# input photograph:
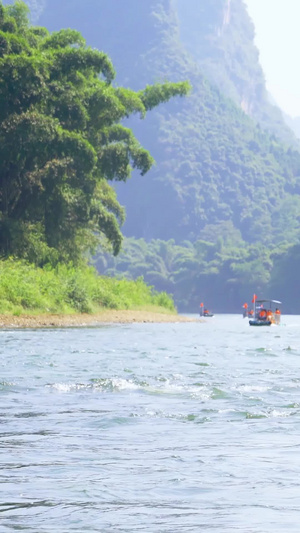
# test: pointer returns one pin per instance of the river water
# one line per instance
(182, 427)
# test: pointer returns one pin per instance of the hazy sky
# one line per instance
(277, 26)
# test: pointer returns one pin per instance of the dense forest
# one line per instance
(217, 216)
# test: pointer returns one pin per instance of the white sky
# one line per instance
(277, 28)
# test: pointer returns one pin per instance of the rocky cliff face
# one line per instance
(220, 36)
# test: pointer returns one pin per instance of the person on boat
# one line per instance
(251, 312)
(277, 315)
(270, 315)
(262, 315)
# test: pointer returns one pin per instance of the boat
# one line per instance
(264, 313)
(245, 310)
(205, 312)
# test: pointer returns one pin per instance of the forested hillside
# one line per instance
(220, 177)
(218, 35)
(213, 163)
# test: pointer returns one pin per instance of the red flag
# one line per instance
(201, 305)
(254, 298)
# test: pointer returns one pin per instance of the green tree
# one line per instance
(61, 140)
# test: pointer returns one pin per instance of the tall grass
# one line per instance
(25, 288)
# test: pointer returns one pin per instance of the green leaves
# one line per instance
(22, 83)
(69, 61)
(151, 96)
(63, 38)
(60, 140)
(119, 149)
(19, 12)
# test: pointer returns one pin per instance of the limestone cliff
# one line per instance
(219, 34)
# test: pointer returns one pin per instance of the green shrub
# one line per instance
(65, 289)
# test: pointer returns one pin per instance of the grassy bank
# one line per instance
(26, 289)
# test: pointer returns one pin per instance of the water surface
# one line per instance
(151, 427)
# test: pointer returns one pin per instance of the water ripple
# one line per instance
(156, 427)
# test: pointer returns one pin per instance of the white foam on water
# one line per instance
(252, 388)
(63, 387)
(280, 414)
(124, 384)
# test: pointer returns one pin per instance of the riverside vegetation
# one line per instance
(61, 142)
(24, 288)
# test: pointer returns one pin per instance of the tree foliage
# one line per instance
(62, 140)
(221, 273)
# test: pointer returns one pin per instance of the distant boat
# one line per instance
(208, 313)
(245, 310)
(264, 313)
(205, 312)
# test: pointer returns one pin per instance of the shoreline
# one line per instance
(111, 316)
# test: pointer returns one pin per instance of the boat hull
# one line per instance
(256, 322)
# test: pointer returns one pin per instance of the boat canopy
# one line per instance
(269, 301)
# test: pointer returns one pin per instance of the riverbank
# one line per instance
(81, 320)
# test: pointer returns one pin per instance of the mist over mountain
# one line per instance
(219, 35)
(294, 124)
